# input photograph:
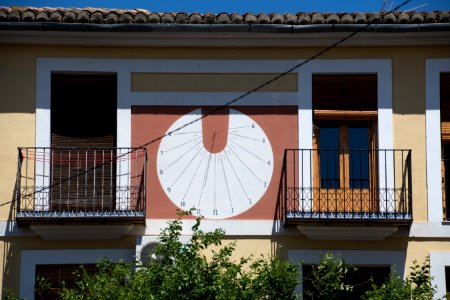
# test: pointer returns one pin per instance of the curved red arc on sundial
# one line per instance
(215, 129)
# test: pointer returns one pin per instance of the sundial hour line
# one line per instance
(180, 133)
(205, 178)
(195, 174)
(248, 168)
(215, 181)
(248, 151)
(181, 156)
(226, 181)
(182, 172)
(241, 127)
(182, 144)
(243, 136)
(237, 177)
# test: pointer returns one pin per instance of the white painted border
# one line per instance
(396, 259)
(31, 258)
(302, 98)
(434, 67)
(383, 69)
(438, 262)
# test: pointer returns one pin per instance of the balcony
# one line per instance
(342, 187)
(81, 186)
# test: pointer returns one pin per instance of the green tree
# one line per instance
(182, 271)
(416, 286)
(327, 279)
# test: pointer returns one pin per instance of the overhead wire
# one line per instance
(244, 95)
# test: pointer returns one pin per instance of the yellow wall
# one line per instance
(11, 248)
(18, 76)
(17, 128)
(204, 82)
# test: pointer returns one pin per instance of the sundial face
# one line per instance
(218, 184)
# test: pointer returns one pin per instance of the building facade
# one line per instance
(113, 120)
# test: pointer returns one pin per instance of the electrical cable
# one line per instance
(244, 95)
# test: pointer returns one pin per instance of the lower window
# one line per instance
(361, 279)
(50, 279)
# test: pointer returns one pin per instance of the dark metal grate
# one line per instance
(384, 194)
(81, 182)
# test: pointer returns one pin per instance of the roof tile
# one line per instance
(346, 19)
(389, 18)
(82, 16)
(236, 18)
(332, 19)
(69, 17)
(209, 18)
(28, 16)
(304, 18)
(444, 17)
(250, 18)
(141, 16)
(55, 16)
(126, 18)
(195, 18)
(430, 17)
(403, 18)
(317, 18)
(96, 17)
(290, 19)
(417, 18)
(223, 18)
(263, 18)
(276, 18)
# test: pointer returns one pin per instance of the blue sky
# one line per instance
(240, 6)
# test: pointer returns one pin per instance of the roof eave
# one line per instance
(217, 35)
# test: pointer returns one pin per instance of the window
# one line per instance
(447, 281)
(344, 154)
(445, 141)
(56, 277)
(344, 142)
(83, 127)
(360, 279)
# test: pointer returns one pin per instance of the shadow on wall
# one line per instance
(279, 217)
(11, 252)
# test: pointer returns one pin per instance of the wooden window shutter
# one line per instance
(445, 107)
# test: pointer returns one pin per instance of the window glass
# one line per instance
(358, 145)
(329, 157)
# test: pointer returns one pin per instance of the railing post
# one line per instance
(409, 183)
(18, 179)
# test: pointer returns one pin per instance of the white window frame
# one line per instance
(434, 68)
(31, 258)
(370, 258)
(438, 262)
(383, 69)
(302, 98)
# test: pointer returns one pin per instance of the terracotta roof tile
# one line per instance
(195, 18)
(277, 18)
(263, 18)
(141, 16)
(236, 18)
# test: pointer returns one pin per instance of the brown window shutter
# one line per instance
(345, 92)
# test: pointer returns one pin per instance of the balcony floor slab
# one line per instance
(348, 233)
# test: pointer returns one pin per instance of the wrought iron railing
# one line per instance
(80, 183)
(330, 184)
